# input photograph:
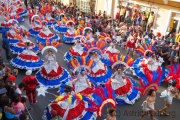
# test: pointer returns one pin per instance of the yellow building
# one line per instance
(167, 12)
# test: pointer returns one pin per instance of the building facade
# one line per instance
(167, 12)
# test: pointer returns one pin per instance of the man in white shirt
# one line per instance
(20, 88)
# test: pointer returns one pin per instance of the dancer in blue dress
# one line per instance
(46, 34)
(60, 26)
(51, 74)
(27, 59)
(21, 46)
(70, 34)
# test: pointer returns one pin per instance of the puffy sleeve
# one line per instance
(54, 57)
(46, 57)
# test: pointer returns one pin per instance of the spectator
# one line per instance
(18, 105)
(151, 34)
(8, 110)
(31, 84)
(10, 90)
(6, 47)
(54, 115)
(165, 53)
(23, 117)
(2, 96)
(20, 88)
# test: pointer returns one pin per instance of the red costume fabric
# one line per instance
(31, 84)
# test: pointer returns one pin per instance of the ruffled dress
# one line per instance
(51, 74)
(27, 60)
(46, 34)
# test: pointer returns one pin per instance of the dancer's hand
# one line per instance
(154, 111)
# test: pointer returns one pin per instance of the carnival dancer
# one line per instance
(70, 34)
(76, 50)
(7, 8)
(80, 84)
(27, 59)
(7, 22)
(153, 63)
(31, 12)
(51, 74)
(87, 32)
(111, 50)
(95, 77)
(124, 88)
(171, 92)
(13, 15)
(47, 10)
(148, 105)
(36, 25)
(50, 20)
(45, 34)
(31, 84)
(19, 10)
(89, 36)
(16, 33)
(60, 26)
(21, 46)
(71, 107)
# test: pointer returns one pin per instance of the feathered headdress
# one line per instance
(173, 73)
(81, 108)
(36, 19)
(70, 22)
(47, 8)
(102, 95)
(95, 46)
(149, 79)
(144, 48)
(105, 37)
(76, 64)
(49, 45)
(125, 60)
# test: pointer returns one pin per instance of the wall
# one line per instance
(65, 2)
(100, 5)
(164, 14)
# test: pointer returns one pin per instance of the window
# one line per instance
(83, 5)
(124, 3)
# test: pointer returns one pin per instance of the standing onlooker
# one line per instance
(31, 84)
(18, 105)
(23, 117)
(122, 12)
(8, 110)
(20, 88)
(165, 53)
(26, 3)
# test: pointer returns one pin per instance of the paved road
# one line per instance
(126, 112)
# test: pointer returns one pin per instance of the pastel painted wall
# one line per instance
(65, 2)
(100, 5)
(164, 14)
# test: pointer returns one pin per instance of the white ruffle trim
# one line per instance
(56, 86)
(125, 98)
(27, 60)
(25, 67)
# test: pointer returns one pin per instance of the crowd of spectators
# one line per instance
(12, 102)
